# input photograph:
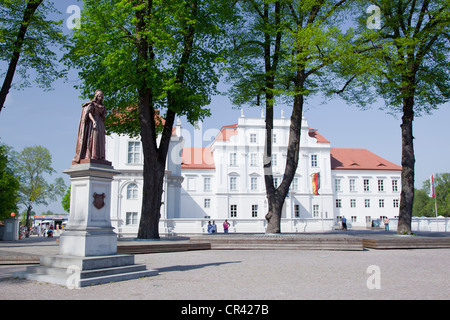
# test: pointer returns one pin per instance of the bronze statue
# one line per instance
(91, 132)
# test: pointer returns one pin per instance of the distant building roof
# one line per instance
(227, 132)
(314, 134)
(359, 159)
(197, 158)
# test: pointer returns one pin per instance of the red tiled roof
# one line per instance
(197, 158)
(132, 114)
(227, 132)
(359, 159)
(314, 134)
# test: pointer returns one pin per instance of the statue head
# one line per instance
(98, 97)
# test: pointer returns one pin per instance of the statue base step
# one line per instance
(76, 272)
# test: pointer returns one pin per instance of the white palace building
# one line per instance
(226, 181)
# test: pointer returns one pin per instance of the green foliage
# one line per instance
(65, 202)
(303, 39)
(32, 163)
(408, 58)
(9, 185)
(38, 49)
(106, 51)
(424, 205)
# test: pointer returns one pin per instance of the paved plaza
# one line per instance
(254, 275)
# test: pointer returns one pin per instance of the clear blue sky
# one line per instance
(34, 117)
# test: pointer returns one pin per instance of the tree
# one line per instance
(426, 206)
(410, 71)
(423, 205)
(9, 185)
(282, 50)
(26, 37)
(151, 58)
(65, 202)
(31, 165)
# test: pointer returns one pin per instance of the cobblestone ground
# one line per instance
(259, 274)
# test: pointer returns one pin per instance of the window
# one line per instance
(352, 203)
(233, 210)
(191, 183)
(354, 219)
(233, 183)
(274, 160)
(207, 184)
(394, 185)
(381, 203)
(297, 210)
(253, 160)
(254, 210)
(134, 152)
(132, 191)
(396, 203)
(131, 218)
(207, 203)
(366, 185)
(314, 160)
(338, 203)
(252, 137)
(315, 210)
(367, 203)
(233, 161)
(380, 185)
(274, 139)
(337, 184)
(352, 183)
(254, 183)
(294, 185)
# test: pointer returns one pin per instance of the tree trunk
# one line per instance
(155, 157)
(27, 223)
(408, 161)
(276, 197)
(273, 216)
(28, 15)
(151, 201)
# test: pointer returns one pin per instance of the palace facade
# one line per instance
(225, 180)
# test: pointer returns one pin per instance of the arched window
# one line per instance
(132, 191)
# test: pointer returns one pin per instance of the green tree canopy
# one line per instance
(425, 205)
(27, 41)
(282, 50)
(32, 164)
(151, 58)
(9, 185)
(410, 71)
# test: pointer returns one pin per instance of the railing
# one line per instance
(297, 225)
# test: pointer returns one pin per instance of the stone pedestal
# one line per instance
(88, 231)
(11, 230)
(88, 244)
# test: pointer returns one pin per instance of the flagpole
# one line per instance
(433, 193)
(435, 204)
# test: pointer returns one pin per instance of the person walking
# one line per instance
(226, 225)
(209, 227)
(214, 227)
(344, 223)
(386, 224)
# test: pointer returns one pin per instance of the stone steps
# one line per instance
(281, 242)
(161, 248)
(77, 272)
(408, 242)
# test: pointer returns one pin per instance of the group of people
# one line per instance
(385, 221)
(212, 227)
(38, 230)
(44, 230)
